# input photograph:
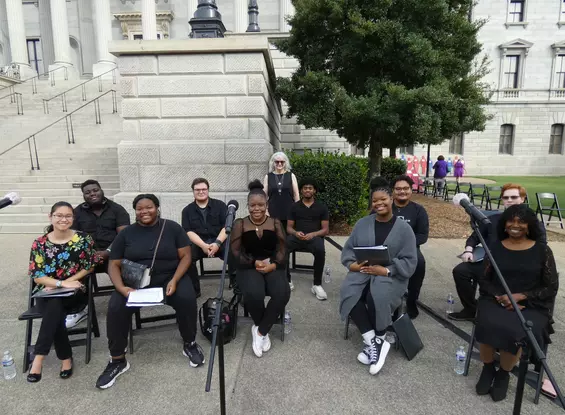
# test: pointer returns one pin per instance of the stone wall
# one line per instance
(195, 108)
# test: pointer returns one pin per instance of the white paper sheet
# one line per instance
(145, 297)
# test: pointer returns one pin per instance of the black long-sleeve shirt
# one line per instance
(490, 235)
(417, 217)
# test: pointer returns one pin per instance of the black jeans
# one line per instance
(363, 313)
(316, 247)
(255, 287)
(196, 254)
(53, 330)
(119, 315)
(417, 279)
(466, 276)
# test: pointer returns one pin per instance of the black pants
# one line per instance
(53, 330)
(316, 247)
(255, 287)
(466, 276)
(417, 279)
(363, 313)
(119, 315)
(196, 254)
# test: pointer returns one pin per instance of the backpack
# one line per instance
(228, 318)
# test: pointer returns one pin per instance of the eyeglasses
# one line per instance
(61, 217)
(510, 197)
(200, 190)
(401, 189)
(279, 161)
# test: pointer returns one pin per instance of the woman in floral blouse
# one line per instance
(59, 259)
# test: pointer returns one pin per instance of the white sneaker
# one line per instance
(266, 343)
(364, 357)
(319, 292)
(291, 285)
(377, 354)
(257, 342)
(73, 319)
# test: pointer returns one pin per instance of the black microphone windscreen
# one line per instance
(234, 204)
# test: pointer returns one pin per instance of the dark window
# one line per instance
(456, 144)
(137, 37)
(516, 11)
(511, 72)
(407, 150)
(556, 139)
(506, 143)
(560, 71)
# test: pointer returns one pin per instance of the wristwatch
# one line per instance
(218, 242)
(59, 284)
(387, 272)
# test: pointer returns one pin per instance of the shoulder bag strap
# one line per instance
(157, 247)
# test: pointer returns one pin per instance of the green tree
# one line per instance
(385, 73)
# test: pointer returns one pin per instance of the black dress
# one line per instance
(281, 195)
(532, 272)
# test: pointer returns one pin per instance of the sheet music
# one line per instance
(145, 297)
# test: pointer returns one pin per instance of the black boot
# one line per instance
(485, 380)
(500, 385)
(412, 309)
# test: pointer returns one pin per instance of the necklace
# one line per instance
(258, 224)
(280, 179)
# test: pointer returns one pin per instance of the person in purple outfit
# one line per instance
(458, 169)
(440, 171)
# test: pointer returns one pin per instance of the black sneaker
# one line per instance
(194, 353)
(412, 310)
(462, 315)
(112, 371)
(378, 351)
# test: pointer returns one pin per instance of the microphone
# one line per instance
(232, 208)
(461, 199)
(11, 198)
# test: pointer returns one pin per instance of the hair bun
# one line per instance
(255, 184)
(379, 182)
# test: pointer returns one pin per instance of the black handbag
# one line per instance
(135, 275)
(228, 318)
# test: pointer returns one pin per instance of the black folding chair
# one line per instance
(464, 187)
(395, 316)
(538, 368)
(450, 190)
(300, 267)
(478, 191)
(33, 313)
(493, 195)
(553, 208)
(429, 187)
(139, 321)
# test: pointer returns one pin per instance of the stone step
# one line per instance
(22, 218)
(24, 228)
(61, 193)
(49, 200)
(79, 178)
(24, 171)
(43, 209)
(70, 151)
(79, 162)
(19, 186)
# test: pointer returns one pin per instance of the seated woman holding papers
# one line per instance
(380, 285)
(58, 261)
(258, 246)
(165, 240)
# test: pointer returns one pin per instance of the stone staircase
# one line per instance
(62, 165)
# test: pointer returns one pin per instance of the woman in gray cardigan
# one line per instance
(379, 287)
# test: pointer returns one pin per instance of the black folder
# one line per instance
(408, 337)
(375, 255)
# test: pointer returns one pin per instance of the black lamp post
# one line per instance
(253, 13)
(207, 21)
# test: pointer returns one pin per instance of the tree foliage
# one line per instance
(385, 73)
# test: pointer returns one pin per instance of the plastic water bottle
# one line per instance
(390, 337)
(8, 366)
(460, 357)
(450, 304)
(328, 274)
(287, 322)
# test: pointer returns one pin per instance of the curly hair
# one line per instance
(524, 214)
(149, 196)
(256, 188)
(380, 184)
(403, 178)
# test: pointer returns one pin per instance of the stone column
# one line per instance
(61, 40)
(46, 34)
(286, 9)
(18, 45)
(103, 27)
(148, 19)
(240, 16)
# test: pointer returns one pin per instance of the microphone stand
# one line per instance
(218, 333)
(527, 344)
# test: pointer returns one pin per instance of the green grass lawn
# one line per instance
(535, 184)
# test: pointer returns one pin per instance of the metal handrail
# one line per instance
(34, 79)
(70, 129)
(16, 97)
(63, 94)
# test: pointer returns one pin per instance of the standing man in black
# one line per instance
(308, 223)
(102, 219)
(204, 221)
(417, 217)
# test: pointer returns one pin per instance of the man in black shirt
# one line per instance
(467, 274)
(307, 225)
(204, 221)
(100, 218)
(417, 217)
